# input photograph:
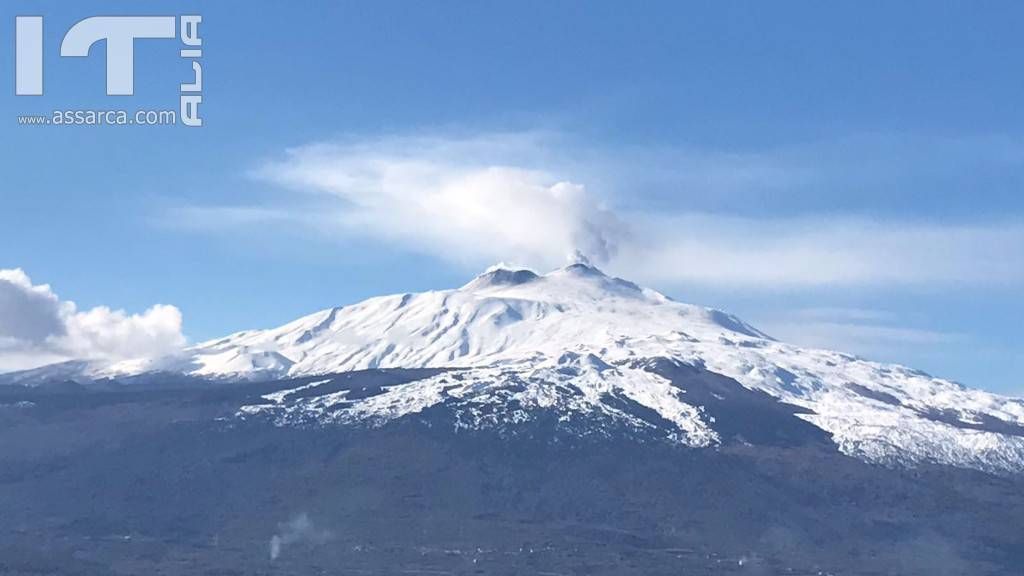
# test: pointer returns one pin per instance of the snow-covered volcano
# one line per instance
(578, 342)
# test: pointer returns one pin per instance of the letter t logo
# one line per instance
(120, 33)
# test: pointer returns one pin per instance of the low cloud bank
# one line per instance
(37, 327)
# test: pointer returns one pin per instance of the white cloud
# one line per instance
(208, 217)
(37, 327)
(862, 338)
(773, 253)
(27, 313)
(454, 198)
(875, 334)
(843, 314)
(480, 199)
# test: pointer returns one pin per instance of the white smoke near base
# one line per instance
(299, 529)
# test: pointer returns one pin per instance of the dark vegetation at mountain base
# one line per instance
(162, 479)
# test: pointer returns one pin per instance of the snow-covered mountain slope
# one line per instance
(572, 339)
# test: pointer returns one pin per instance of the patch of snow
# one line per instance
(279, 396)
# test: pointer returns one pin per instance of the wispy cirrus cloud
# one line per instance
(846, 330)
(825, 251)
(876, 334)
(533, 197)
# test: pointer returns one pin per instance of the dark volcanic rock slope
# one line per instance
(176, 480)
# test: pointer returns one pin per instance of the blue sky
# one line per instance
(844, 174)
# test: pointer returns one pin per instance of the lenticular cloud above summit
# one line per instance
(534, 197)
(448, 198)
(37, 327)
